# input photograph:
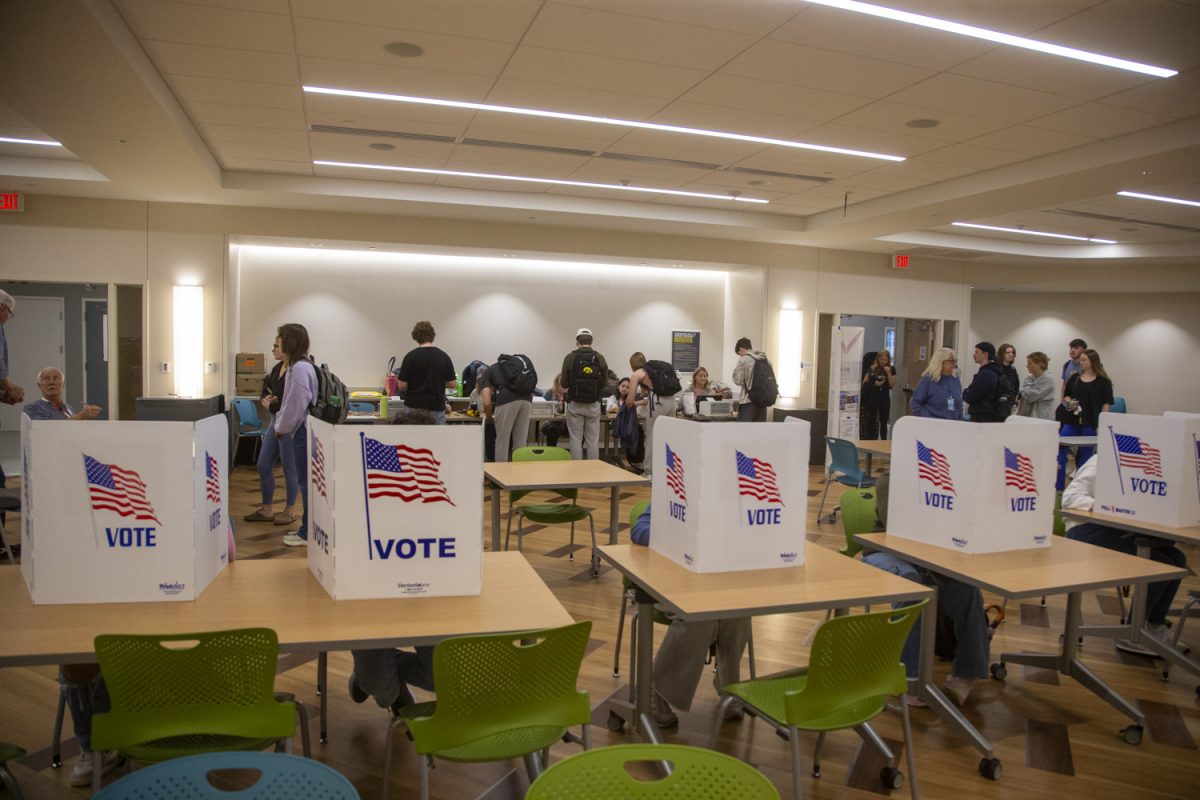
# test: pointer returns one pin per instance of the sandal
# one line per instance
(258, 515)
(283, 518)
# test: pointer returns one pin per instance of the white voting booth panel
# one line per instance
(729, 497)
(978, 488)
(119, 512)
(1148, 467)
(394, 510)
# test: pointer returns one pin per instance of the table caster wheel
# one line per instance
(324, 740)
(999, 671)
(56, 763)
(1132, 734)
(616, 673)
(990, 768)
(891, 778)
(816, 771)
(615, 722)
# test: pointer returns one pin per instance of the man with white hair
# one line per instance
(10, 393)
(52, 405)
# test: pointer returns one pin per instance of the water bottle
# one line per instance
(383, 407)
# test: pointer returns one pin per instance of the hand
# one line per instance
(14, 395)
(267, 400)
(88, 412)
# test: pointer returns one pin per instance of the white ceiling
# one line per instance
(201, 100)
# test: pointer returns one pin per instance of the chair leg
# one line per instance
(816, 768)
(97, 775)
(520, 534)
(571, 544)
(633, 627)
(595, 552)
(794, 747)
(869, 735)
(389, 744)
(909, 755)
(533, 765)
(424, 766)
(9, 783)
(586, 735)
(620, 633)
(56, 742)
(1121, 603)
(750, 649)
(718, 718)
(302, 721)
(508, 528)
(824, 494)
(323, 691)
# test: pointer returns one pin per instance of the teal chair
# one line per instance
(248, 425)
(499, 696)
(549, 513)
(279, 775)
(854, 666)
(1118, 405)
(696, 774)
(843, 468)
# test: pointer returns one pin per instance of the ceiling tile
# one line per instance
(243, 135)
(488, 184)
(611, 171)
(973, 156)
(264, 152)
(1174, 97)
(352, 108)
(634, 38)
(892, 117)
(721, 118)
(511, 160)
(927, 171)
(359, 75)
(730, 91)
(216, 27)
(595, 102)
(480, 19)
(767, 187)
(1032, 70)
(753, 19)
(588, 71)
(378, 176)
(835, 134)
(549, 134)
(223, 114)
(978, 98)
(201, 61)
(239, 93)
(1100, 120)
(384, 124)
(408, 152)
(1159, 32)
(1032, 140)
(266, 165)
(829, 70)
(264, 6)
(687, 148)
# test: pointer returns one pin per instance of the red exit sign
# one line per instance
(899, 262)
(12, 201)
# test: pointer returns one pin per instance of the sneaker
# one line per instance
(259, 515)
(1162, 632)
(735, 711)
(284, 518)
(356, 692)
(661, 713)
(81, 773)
(294, 539)
(403, 699)
(915, 702)
(958, 689)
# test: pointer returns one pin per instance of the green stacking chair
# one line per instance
(499, 696)
(190, 693)
(858, 516)
(696, 774)
(549, 513)
(853, 667)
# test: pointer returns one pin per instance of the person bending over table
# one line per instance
(1080, 495)
(680, 658)
(958, 602)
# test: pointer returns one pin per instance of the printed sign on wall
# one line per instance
(1148, 468)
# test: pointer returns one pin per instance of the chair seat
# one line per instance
(551, 513)
(10, 752)
(766, 695)
(503, 744)
(191, 744)
(848, 481)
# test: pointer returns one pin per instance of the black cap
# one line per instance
(988, 348)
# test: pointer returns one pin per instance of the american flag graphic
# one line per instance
(212, 475)
(318, 467)
(756, 478)
(116, 489)
(1018, 472)
(932, 466)
(397, 470)
(675, 474)
(1132, 452)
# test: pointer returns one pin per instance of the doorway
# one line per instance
(95, 355)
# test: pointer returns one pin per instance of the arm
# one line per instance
(87, 412)
(891, 377)
(10, 393)
(452, 379)
(1079, 494)
(297, 397)
(636, 380)
(920, 397)
(486, 394)
(1038, 389)
(640, 533)
(740, 373)
(402, 375)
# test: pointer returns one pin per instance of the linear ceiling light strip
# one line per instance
(1089, 239)
(1161, 199)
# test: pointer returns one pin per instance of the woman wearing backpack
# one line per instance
(299, 393)
(660, 379)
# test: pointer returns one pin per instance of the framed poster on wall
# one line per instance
(685, 350)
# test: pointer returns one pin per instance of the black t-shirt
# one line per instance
(426, 370)
(875, 390)
(1092, 396)
(501, 393)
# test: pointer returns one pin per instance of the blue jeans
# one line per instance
(268, 454)
(1159, 595)
(383, 673)
(1082, 454)
(84, 700)
(293, 448)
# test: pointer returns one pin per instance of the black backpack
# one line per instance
(519, 374)
(332, 402)
(586, 378)
(468, 376)
(662, 375)
(764, 389)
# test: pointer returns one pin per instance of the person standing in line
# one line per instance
(268, 453)
(1089, 394)
(939, 392)
(291, 423)
(10, 393)
(584, 376)
(508, 406)
(1074, 351)
(743, 377)
(425, 374)
(1010, 381)
(983, 395)
(877, 385)
(1037, 390)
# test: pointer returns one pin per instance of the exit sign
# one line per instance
(899, 262)
(12, 201)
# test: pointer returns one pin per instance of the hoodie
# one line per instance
(743, 373)
(981, 395)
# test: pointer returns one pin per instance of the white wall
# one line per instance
(360, 307)
(1148, 342)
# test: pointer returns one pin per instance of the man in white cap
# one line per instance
(10, 393)
(584, 376)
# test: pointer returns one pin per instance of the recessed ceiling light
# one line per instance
(403, 49)
(994, 36)
(923, 123)
(43, 142)
(1161, 199)
(624, 123)
(1090, 239)
(525, 179)
(381, 146)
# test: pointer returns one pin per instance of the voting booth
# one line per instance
(729, 497)
(394, 510)
(1147, 468)
(117, 512)
(978, 488)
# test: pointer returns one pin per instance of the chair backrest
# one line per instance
(854, 664)
(247, 415)
(636, 511)
(538, 453)
(858, 516)
(201, 675)
(697, 773)
(281, 776)
(1118, 405)
(497, 682)
(843, 455)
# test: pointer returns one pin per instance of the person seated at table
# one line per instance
(680, 658)
(704, 389)
(52, 405)
(1080, 495)
(554, 429)
(958, 603)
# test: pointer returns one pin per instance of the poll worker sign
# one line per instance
(973, 487)
(1148, 468)
(123, 511)
(729, 497)
(394, 510)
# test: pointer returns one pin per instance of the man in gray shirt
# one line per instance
(52, 405)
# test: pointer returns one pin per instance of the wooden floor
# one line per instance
(1055, 739)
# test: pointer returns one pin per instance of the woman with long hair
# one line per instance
(1006, 357)
(268, 453)
(876, 408)
(939, 392)
(291, 429)
(1088, 394)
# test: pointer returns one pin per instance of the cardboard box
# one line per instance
(118, 512)
(394, 511)
(979, 488)
(249, 385)
(1147, 468)
(729, 497)
(250, 362)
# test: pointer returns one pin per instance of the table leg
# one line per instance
(644, 667)
(869, 462)
(323, 689)
(495, 519)
(614, 511)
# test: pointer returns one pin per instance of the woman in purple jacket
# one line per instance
(299, 393)
(939, 394)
